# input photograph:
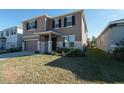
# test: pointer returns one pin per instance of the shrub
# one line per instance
(118, 53)
(61, 50)
(76, 53)
(119, 56)
(118, 50)
(14, 49)
(37, 52)
(3, 51)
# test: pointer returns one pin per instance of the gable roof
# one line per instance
(74, 12)
(117, 21)
(53, 16)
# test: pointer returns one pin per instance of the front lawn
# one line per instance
(96, 67)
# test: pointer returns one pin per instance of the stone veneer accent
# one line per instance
(23, 46)
(59, 44)
(38, 45)
(49, 46)
(42, 47)
(78, 44)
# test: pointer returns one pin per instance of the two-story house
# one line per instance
(11, 38)
(47, 34)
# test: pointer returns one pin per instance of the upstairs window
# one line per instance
(69, 21)
(32, 25)
(7, 33)
(1, 34)
(14, 31)
(56, 23)
(11, 31)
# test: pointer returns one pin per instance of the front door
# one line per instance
(54, 43)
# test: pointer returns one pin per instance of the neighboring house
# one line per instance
(113, 33)
(47, 34)
(11, 38)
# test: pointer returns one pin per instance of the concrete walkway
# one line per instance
(15, 54)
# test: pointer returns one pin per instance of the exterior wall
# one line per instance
(78, 44)
(84, 31)
(19, 37)
(19, 40)
(49, 24)
(60, 44)
(104, 41)
(74, 30)
(110, 37)
(40, 26)
(11, 41)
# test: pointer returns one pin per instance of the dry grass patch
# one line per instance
(96, 67)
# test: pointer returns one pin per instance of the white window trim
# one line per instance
(69, 26)
(45, 21)
(69, 16)
(65, 36)
(72, 35)
(31, 29)
(57, 28)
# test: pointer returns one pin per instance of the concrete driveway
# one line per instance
(15, 54)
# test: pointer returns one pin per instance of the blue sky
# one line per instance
(96, 19)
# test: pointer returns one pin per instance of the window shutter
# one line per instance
(73, 20)
(53, 24)
(35, 24)
(59, 22)
(65, 22)
(27, 26)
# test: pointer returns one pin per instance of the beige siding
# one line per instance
(110, 37)
(84, 31)
(40, 26)
(74, 30)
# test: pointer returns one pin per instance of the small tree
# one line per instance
(88, 42)
(93, 42)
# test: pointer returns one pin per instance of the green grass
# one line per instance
(96, 67)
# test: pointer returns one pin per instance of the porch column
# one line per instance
(38, 45)
(23, 46)
(49, 44)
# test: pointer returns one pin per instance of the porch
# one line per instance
(47, 41)
(2, 43)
